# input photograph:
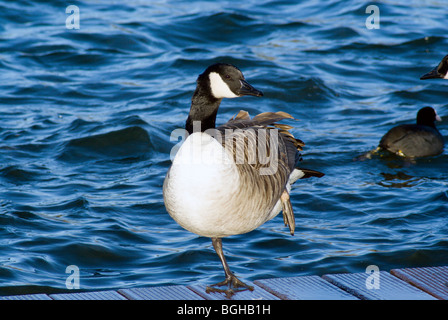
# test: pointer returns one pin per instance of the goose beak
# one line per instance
(438, 118)
(247, 90)
(431, 74)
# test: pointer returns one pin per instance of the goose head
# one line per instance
(226, 81)
(217, 82)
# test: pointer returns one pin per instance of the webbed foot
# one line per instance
(233, 285)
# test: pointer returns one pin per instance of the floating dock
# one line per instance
(426, 283)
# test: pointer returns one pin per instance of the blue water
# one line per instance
(86, 116)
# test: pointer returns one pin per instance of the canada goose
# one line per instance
(230, 179)
(415, 140)
(441, 71)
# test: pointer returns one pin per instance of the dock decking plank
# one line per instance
(426, 283)
(390, 287)
(304, 288)
(160, 293)
(433, 280)
(39, 296)
(96, 295)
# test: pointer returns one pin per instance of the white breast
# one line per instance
(200, 184)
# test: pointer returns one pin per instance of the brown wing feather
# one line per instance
(255, 134)
(268, 120)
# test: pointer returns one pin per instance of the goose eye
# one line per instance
(227, 76)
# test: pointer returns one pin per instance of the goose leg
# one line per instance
(231, 281)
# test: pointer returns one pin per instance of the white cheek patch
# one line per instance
(446, 76)
(219, 88)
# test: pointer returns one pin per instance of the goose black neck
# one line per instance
(204, 108)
